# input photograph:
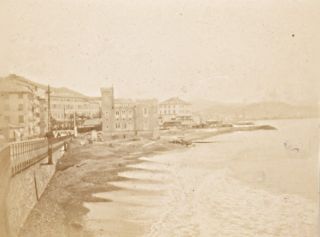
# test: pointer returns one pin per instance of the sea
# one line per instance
(250, 183)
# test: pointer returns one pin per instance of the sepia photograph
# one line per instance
(169, 118)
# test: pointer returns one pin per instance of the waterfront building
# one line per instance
(175, 110)
(66, 103)
(124, 117)
(23, 108)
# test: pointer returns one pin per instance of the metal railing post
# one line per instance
(50, 153)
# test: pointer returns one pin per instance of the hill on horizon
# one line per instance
(259, 110)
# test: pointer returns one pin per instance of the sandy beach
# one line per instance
(156, 188)
(83, 171)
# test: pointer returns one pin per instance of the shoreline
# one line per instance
(88, 169)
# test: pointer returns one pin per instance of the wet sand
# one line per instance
(138, 188)
(83, 171)
(257, 188)
(86, 170)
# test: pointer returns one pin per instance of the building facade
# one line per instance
(66, 103)
(175, 110)
(128, 117)
(23, 108)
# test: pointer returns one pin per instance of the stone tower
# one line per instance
(107, 109)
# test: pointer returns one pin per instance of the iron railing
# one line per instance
(24, 154)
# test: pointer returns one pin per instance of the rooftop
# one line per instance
(175, 100)
(14, 83)
(66, 92)
(13, 87)
(21, 79)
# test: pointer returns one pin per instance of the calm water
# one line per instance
(261, 183)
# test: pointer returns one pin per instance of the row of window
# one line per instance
(68, 115)
(69, 106)
(123, 119)
(174, 112)
(62, 106)
(123, 112)
(124, 125)
(167, 106)
(119, 106)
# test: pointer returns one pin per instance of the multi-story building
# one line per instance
(175, 110)
(128, 117)
(66, 103)
(23, 108)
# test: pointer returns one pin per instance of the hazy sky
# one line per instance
(223, 50)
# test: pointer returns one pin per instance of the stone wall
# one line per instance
(4, 184)
(24, 190)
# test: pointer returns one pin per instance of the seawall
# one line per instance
(4, 186)
(19, 193)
